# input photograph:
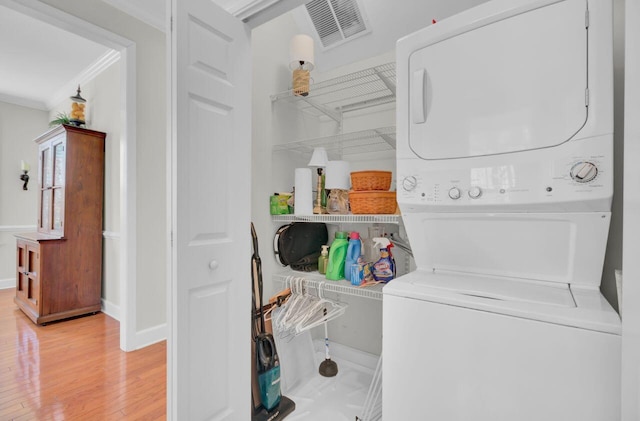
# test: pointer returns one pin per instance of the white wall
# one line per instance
(613, 259)
(18, 208)
(270, 75)
(631, 262)
(150, 117)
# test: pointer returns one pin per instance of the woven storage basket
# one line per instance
(372, 202)
(370, 180)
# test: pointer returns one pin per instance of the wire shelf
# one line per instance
(354, 91)
(314, 279)
(339, 219)
(374, 140)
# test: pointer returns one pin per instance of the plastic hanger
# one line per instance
(316, 315)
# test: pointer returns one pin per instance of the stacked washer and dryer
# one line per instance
(505, 182)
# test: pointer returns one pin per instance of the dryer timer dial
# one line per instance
(584, 171)
(409, 183)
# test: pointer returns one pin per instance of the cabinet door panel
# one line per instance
(47, 167)
(58, 208)
(21, 269)
(45, 211)
(58, 164)
(33, 261)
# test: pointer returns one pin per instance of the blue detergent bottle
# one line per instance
(353, 253)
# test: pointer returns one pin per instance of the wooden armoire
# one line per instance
(59, 267)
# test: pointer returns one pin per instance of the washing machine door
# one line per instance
(516, 83)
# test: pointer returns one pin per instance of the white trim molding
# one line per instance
(151, 336)
(17, 228)
(111, 235)
(23, 102)
(110, 309)
(7, 283)
(88, 74)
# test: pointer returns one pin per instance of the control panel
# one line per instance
(532, 184)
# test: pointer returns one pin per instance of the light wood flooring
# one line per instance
(75, 370)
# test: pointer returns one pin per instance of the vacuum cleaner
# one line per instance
(273, 406)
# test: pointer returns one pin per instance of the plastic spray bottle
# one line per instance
(353, 253)
(384, 269)
(337, 254)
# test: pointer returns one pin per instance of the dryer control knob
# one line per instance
(475, 192)
(454, 193)
(583, 172)
(409, 183)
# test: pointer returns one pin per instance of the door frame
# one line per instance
(127, 50)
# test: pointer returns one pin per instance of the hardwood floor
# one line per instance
(75, 370)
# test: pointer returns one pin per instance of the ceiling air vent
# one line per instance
(336, 21)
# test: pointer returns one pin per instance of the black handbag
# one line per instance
(298, 244)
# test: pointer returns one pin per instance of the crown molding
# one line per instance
(88, 74)
(24, 102)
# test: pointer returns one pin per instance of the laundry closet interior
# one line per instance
(351, 112)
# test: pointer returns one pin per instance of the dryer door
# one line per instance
(518, 83)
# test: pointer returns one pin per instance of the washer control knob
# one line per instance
(475, 192)
(409, 183)
(454, 193)
(583, 172)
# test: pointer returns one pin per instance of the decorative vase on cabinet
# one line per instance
(59, 267)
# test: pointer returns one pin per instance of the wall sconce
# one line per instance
(319, 160)
(301, 62)
(25, 174)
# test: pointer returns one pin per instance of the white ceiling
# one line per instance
(38, 61)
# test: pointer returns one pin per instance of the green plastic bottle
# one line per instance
(323, 260)
(337, 255)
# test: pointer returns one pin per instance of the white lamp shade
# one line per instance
(301, 50)
(319, 158)
(338, 175)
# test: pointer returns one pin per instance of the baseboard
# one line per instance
(7, 283)
(145, 337)
(151, 335)
(110, 309)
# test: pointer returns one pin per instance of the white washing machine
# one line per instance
(505, 180)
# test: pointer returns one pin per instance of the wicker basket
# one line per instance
(370, 180)
(372, 202)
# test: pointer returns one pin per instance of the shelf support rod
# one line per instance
(387, 82)
(387, 138)
(333, 115)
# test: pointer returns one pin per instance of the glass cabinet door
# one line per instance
(52, 175)
(46, 180)
(58, 186)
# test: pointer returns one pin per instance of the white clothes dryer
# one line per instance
(505, 181)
